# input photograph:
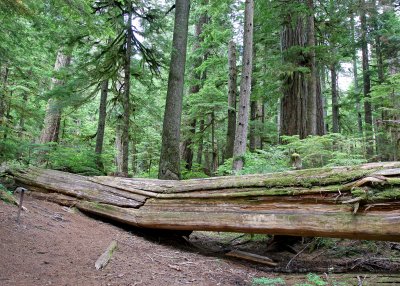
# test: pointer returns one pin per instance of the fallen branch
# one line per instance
(103, 260)
(251, 257)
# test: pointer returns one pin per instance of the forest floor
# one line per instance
(55, 245)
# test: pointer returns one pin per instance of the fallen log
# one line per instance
(358, 202)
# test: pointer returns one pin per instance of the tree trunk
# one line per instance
(355, 75)
(367, 81)
(293, 103)
(170, 156)
(201, 143)
(125, 96)
(245, 89)
(101, 123)
(118, 146)
(335, 100)
(52, 120)
(232, 93)
(195, 88)
(3, 93)
(328, 202)
(312, 81)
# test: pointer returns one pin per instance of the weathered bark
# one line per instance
(201, 143)
(52, 120)
(101, 123)
(335, 100)
(119, 146)
(312, 81)
(3, 91)
(123, 171)
(358, 202)
(170, 156)
(295, 88)
(232, 93)
(239, 148)
(355, 76)
(367, 81)
(195, 88)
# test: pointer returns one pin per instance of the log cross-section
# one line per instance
(358, 202)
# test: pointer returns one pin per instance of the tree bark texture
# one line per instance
(239, 148)
(367, 81)
(52, 120)
(170, 156)
(335, 100)
(293, 103)
(301, 104)
(126, 95)
(101, 122)
(357, 202)
(195, 88)
(232, 94)
(312, 80)
(355, 76)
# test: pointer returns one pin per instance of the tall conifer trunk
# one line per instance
(312, 81)
(123, 166)
(195, 88)
(51, 128)
(367, 81)
(101, 122)
(335, 100)
(170, 154)
(245, 89)
(232, 93)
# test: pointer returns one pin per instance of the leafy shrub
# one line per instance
(328, 150)
(79, 160)
(268, 281)
(271, 160)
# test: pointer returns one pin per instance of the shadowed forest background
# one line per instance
(83, 85)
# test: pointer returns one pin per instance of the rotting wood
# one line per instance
(314, 202)
(103, 260)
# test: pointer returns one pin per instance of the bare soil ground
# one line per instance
(54, 245)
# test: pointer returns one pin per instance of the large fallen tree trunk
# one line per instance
(358, 202)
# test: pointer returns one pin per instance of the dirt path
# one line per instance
(55, 246)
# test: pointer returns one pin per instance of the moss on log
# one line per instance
(359, 202)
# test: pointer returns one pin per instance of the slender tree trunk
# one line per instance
(355, 75)
(312, 81)
(367, 81)
(3, 93)
(195, 88)
(51, 128)
(170, 156)
(321, 130)
(232, 93)
(335, 100)
(245, 89)
(134, 158)
(253, 122)
(214, 145)
(188, 146)
(101, 123)
(119, 146)
(123, 171)
(201, 143)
